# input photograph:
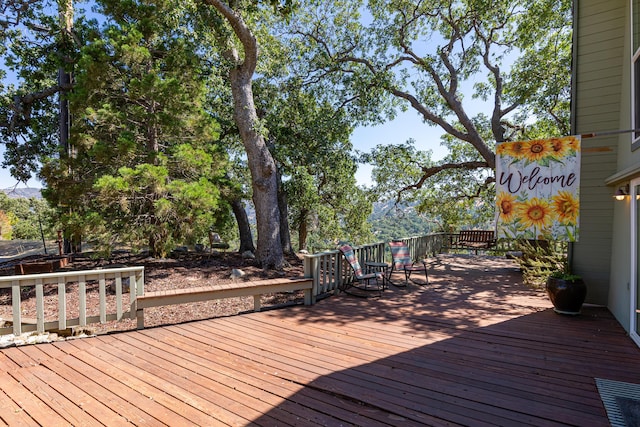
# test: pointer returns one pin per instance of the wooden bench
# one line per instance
(228, 290)
(473, 239)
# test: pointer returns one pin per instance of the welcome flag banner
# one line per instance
(537, 189)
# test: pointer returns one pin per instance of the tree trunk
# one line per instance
(263, 174)
(283, 207)
(71, 243)
(64, 124)
(303, 231)
(153, 250)
(261, 163)
(244, 229)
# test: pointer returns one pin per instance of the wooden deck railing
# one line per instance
(52, 283)
(423, 246)
(330, 271)
(327, 269)
(255, 288)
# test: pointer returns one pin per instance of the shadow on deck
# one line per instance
(474, 347)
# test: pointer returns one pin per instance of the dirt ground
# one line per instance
(188, 270)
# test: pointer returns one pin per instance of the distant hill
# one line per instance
(389, 221)
(26, 193)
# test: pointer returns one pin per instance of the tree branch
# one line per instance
(21, 106)
(244, 34)
(478, 190)
(428, 172)
(428, 115)
(449, 94)
(16, 8)
(498, 112)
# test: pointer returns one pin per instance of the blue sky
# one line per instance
(7, 181)
(405, 126)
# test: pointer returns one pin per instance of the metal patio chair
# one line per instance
(364, 281)
(401, 261)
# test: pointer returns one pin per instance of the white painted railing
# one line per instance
(421, 247)
(330, 271)
(49, 284)
(323, 268)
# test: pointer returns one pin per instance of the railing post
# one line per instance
(119, 296)
(15, 306)
(311, 271)
(102, 289)
(62, 305)
(339, 272)
(133, 292)
(40, 306)
(82, 299)
(139, 292)
(323, 265)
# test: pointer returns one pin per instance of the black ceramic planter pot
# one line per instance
(567, 296)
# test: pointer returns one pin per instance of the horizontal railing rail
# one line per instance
(502, 245)
(254, 288)
(56, 285)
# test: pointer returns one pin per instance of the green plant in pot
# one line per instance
(545, 263)
(566, 291)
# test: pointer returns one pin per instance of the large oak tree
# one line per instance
(441, 59)
(241, 50)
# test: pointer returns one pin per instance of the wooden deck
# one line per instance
(475, 348)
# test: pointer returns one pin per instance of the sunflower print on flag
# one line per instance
(537, 189)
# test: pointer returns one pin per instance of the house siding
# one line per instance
(620, 275)
(600, 29)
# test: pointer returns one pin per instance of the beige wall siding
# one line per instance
(599, 75)
(620, 278)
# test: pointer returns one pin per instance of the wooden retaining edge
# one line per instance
(47, 266)
(229, 290)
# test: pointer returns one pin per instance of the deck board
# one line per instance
(474, 347)
(229, 383)
(68, 400)
(28, 402)
(399, 377)
(253, 375)
(92, 380)
(210, 391)
(11, 413)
